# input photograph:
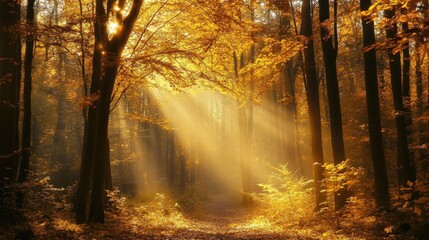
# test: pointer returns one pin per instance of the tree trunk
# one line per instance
(313, 103)
(24, 164)
(405, 172)
(85, 179)
(373, 107)
(10, 79)
(96, 160)
(336, 124)
(407, 102)
(28, 68)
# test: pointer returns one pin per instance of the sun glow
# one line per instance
(193, 138)
(113, 27)
(206, 123)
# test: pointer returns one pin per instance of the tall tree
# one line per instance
(106, 59)
(373, 107)
(405, 172)
(312, 91)
(408, 116)
(28, 78)
(330, 59)
(10, 78)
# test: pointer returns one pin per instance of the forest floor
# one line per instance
(163, 218)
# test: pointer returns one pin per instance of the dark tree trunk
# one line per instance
(24, 164)
(336, 124)
(373, 107)
(405, 172)
(10, 79)
(28, 68)
(407, 102)
(313, 103)
(96, 160)
(101, 158)
(85, 180)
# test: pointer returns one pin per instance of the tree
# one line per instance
(28, 77)
(10, 79)
(24, 164)
(373, 107)
(330, 59)
(312, 90)
(405, 171)
(408, 116)
(106, 60)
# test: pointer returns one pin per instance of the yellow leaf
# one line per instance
(373, 6)
(388, 229)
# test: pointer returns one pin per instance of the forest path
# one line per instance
(227, 218)
(220, 214)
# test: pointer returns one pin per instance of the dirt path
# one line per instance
(223, 218)
(221, 213)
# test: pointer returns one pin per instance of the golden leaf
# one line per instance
(388, 229)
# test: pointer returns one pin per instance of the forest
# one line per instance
(214, 119)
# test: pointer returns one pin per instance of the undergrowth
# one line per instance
(286, 206)
(288, 202)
